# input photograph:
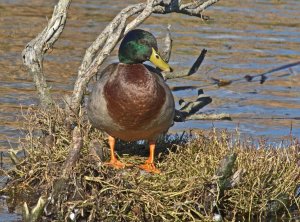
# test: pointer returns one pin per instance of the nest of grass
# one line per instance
(196, 184)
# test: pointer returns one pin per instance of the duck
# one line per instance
(130, 100)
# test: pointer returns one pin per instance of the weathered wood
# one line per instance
(33, 54)
(60, 185)
(74, 152)
(209, 116)
(225, 171)
(99, 151)
(167, 48)
(36, 212)
(223, 177)
(107, 40)
(189, 108)
(13, 156)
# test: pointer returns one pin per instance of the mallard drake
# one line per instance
(130, 100)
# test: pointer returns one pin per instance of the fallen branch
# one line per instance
(60, 185)
(207, 116)
(261, 78)
(99, 151)
(225, 171)
(74, 152)
(188, 110)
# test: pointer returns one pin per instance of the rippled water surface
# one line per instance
(242, 38)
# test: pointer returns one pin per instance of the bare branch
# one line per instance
(175, 6)
(196, 11)
(142, 16)
(110, 36)
(33, 54)
(207, 116)
(107, 32)
(197, 63)
(74, 152)
(190, 108)
(166, 52)
(193, 69)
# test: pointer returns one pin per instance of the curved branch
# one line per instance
(193, 9)
(108, 31)
(110, 36)
(33, 54)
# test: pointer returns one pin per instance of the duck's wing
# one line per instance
(108, 70)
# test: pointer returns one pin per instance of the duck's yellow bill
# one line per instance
(159, 62)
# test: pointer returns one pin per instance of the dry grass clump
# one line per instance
(195, 184)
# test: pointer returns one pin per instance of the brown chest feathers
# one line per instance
(134, 96)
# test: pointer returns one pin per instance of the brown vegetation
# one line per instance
(196, 181)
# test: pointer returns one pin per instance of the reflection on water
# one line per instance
(242, 39)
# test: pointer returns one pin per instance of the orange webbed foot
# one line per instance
(118, 164)
(149, 167)
(149, 164)
(115, 164)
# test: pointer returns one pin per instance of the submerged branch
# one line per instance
(189, 108)
(261, 78)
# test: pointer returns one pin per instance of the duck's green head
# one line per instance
(139, 46)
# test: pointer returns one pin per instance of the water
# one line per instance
(243, 38)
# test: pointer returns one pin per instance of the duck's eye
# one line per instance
(157, 56)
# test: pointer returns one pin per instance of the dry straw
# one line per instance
(203, 175)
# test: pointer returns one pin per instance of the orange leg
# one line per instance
(114, 162)
(149, 164)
